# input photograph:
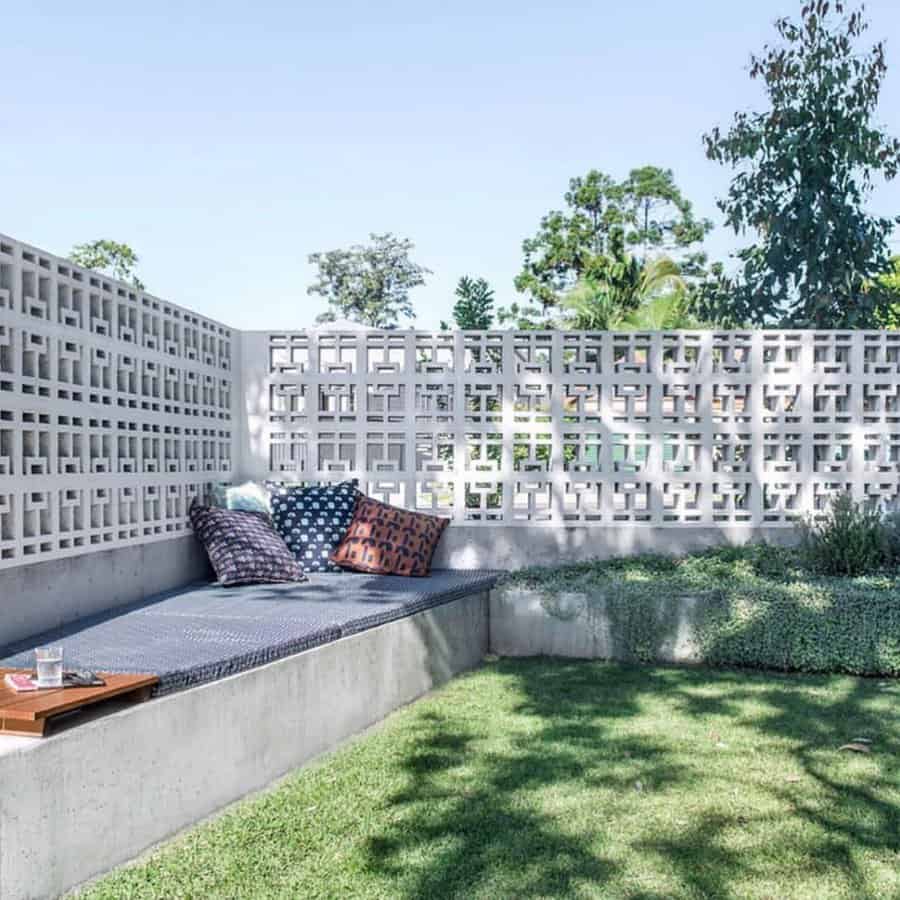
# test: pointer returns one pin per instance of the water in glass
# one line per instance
(49, 664)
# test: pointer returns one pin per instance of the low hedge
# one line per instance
(754, 608)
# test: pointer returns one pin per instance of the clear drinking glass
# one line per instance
(49, 664)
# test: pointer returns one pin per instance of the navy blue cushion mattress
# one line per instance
(207, 632)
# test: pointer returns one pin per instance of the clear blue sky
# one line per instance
(227, 141)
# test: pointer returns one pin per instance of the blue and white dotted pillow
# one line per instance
(313, 520)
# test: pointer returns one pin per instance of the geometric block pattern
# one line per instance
(116, 409)
(597, 429)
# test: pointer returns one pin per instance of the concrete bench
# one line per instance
(206, 632)
(255, 682)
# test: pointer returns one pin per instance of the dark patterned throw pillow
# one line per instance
(385, 540)
(313, 520)
(243, 547)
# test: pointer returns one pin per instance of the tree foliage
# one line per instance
(889, 285)
(474, 307)
(670, 311)
(591, 306)
(116, 260)
(368, 283)
(627, 293)
(805, 169)
(657, 216)
(567, 243)
(525, 317)
(711, 299)
(645, 209)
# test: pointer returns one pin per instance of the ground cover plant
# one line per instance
(759, 606)
(547, 778)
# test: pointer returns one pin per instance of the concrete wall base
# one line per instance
(514, 547)
(89, 798)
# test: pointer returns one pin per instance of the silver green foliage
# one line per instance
(753, 607)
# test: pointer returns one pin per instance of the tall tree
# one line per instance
(805, 169)
(658, 216)
(115, 259)
(368, 283)
(474, 307)
(647, 208)
(568, 242)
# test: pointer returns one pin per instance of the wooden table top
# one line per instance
(26, 712)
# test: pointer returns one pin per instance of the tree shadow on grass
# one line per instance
(816, 719)
(488, 834)
(478, 817)
(848, 812)
(852, 812)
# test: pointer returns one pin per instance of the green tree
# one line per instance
(525, 317)
(711, 299)
(591, 306)
(474, 308)
(110, 257)
(805, 169)
(647, 208)
(568, 242)
(369, 283)
(617, 288)
(670, 311)
(657, 215)
(889, 285)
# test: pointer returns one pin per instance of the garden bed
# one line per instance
(752, 607)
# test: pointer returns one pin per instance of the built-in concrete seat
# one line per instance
(206, 632)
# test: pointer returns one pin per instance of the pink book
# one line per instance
(20, 681)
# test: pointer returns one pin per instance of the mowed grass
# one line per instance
(547, 778)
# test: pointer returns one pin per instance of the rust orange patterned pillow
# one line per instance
(385, 540)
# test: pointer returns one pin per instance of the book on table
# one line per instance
(22, 682)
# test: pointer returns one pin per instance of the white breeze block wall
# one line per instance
(116, 408)
(723, 430)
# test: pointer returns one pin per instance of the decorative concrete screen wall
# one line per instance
(722, 430)
(115, 410)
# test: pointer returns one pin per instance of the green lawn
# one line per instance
(546, 778)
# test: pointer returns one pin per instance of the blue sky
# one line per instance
(227, 141)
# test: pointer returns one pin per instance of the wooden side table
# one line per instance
(26, 713)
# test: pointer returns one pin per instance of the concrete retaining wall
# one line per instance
(47, 594)
(87, 799)
(527, 622)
